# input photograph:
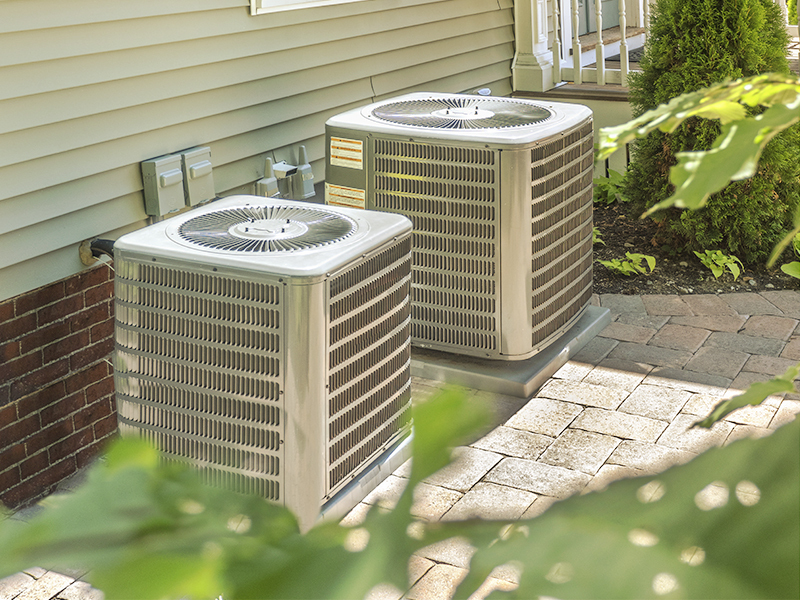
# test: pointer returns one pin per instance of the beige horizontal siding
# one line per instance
(90, 88)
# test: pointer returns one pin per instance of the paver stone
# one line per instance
(617, 373)
(432, 501)
(680, 337)
(770, 326)
(491, 501)
(537, 477)
(665, 304)
(682, 436)
(619, 424)
(648, 458)
(545, 416)
(655, 402)
(583, 393)
(468, 467)
(580, 450)
(723, 362)
(514, 442)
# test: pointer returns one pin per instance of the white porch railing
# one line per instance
(550, 50)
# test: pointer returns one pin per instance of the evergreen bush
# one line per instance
(693, 44)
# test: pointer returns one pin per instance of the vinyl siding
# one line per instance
(90, 88)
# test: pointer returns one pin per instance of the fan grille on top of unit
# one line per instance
(266, 229)
(462, 113)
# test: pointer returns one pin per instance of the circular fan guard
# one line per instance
(266, 229)
(462, 113)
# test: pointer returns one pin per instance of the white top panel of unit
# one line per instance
(266, 235)
(460, 117)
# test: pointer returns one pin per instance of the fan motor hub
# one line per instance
(268, 229)
(463, 112)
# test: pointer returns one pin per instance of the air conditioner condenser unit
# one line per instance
(500, 194)
(267, 342)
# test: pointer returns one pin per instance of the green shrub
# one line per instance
(693, 44)
(792, 6)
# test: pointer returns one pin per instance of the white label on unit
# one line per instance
(347, 153)
(338, 195)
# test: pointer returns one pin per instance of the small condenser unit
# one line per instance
(268, 342)
(500, 194)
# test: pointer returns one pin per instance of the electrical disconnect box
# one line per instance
(163, 185)
(198, 179)
(177, 180)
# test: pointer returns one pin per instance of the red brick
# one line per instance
(36, 463)
(16, 328)
(41, 399)
(104, 387)
(101, 293)
(106, 427)
(19, 430)
(14, 369)
(86, 455)
(90, 317)
(12, 455)
(88, 279)
(44, 376)
(86, 377)
(91, 354)
(9, 351)
(52, 434)
(92, 413)
(102, 330)
(60, 310)
(44, 336)
(62, 408)
(39, 485)
(9, 478)
(66, 346)
(8, 414)
(6, 310)
(41, 297)
(5, 394)
(71, 445)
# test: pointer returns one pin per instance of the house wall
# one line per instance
(90, 88)
(56, 385)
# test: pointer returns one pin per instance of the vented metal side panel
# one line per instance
(369, 384)
(198, 370)
(451, 194)
(561, 229)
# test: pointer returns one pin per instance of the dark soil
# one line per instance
(673, 274)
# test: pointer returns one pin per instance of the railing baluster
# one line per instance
(599, 53)
(577, 76)
(623, 45)
(556, 42)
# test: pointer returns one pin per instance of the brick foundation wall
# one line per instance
(56, 384)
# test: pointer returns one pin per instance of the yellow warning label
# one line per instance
(338, 195)
(347, 153)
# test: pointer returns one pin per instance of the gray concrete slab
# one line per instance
(515, 377)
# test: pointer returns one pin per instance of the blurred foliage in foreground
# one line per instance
(722, 526)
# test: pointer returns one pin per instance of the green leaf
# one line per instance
(792, 269)
(151, 577)
(755, 394)
(440, 424)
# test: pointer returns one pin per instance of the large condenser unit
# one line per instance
(268, 343)
(500, 194)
